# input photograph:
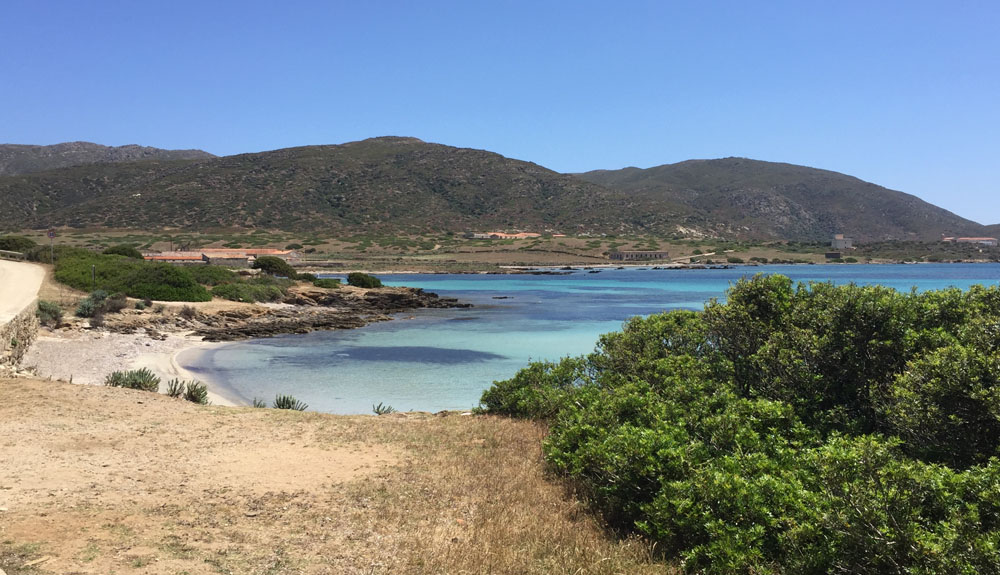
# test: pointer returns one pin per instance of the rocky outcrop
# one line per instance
(304, 309)
(16, 336)
(313, 309)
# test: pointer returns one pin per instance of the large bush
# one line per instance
(124, 250)
(791, 429)
(363, 280)
(135, 278)
(16, 243)
(275, 266)
(212, 275)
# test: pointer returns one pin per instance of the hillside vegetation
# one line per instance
(750, 198)
(21, 159)
(406, 186)
(792, 429)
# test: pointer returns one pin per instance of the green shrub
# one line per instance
(288, 402)
(86, 308)
(734, 260)
(381, 409)
(363, 280)
(791, 429)
(49, 314)
(327, 283)
(212, 275)
(306, 277)
(258, 403)
(142, 379)
(140, 305)
(274, 266)
(17, 244)
(293, 246)
(175, 387)
(124, 250)
(196, 392)
(135, 278)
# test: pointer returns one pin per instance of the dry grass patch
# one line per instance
(101, 480)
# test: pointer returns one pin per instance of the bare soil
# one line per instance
(107, 480)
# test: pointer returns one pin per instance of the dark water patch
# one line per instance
(421, 354)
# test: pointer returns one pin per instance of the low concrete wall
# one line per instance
(17, 335)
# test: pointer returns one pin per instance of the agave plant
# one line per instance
(175, 387)
(383, 409)
(196, 392)
(288, 402)
(143, 379)
(257, 402)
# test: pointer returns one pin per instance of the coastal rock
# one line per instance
(304, 309)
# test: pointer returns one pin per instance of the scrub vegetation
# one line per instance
(792, 429)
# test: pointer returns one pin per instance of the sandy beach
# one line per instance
(87, 357)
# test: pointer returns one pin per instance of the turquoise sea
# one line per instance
(429, 360)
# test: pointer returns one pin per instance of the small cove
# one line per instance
(429, 360)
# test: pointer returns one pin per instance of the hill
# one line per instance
(395, 185)
(377, 185)
(19, 159)
(750, 198)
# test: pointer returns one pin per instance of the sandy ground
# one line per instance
(87, 357)
(19, 283)
(99, 480)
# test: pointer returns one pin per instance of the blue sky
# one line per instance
(903, 94)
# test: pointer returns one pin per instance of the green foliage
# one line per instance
(734, 260)
(946, 405)
(275, 266)
(293, 246)
(538, 391)
(258, 403)
(142, 379)
(792, 429)
(212, 275)
(306, 277)
(383, 409)
(175, 387)
(140, 305)
(87, 307)
(196, 392)
(124, 250)
(288, 402)
(49, 313)
(363, 280)
(16, 244)
(134, 278)
(327, 283)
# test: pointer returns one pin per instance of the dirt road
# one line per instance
(19, 283)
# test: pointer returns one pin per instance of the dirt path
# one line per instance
(19, 283)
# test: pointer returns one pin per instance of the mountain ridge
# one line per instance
(17, 159)
(395, 184)
(774, 199)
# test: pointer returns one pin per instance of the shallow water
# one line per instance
(430, 360)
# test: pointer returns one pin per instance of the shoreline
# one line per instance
(87, 357)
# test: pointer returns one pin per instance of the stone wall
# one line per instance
(17, 335)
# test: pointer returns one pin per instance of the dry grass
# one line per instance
(101, 480)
